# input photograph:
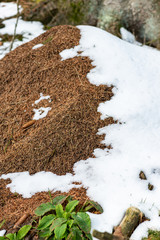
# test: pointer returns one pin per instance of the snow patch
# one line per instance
(8, 9)
(41, 112)
(128, 36)
(28, 30)
(2, 232)
(38, 46)
(27, 185)
(42, 97)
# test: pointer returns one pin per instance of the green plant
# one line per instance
(56, 222)
(152, 235)
(19, 235)
(1, 224)
(63, 223)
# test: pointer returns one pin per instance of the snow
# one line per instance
(38, 182)
(8, 9)
(29, 30)
(38, 46)
(2, 232)
(41, 112)
(128, 36)
(42, 97)
(112, 177)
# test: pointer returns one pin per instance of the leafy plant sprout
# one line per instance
(56, 222)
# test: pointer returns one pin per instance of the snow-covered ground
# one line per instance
(112, 178)
(28, 30)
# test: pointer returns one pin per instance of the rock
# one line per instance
(74, 12)
(150, 186)
(43, 12)
(133, 217)
(142, 175)
(140, 17)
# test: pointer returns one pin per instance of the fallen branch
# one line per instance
(133, 217)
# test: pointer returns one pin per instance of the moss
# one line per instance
(76, 11)
(8, 38)
(47, 40)
(152, 235)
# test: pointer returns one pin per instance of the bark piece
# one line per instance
(142, 175)
(133, 217)
(106, 236)
(150, 186)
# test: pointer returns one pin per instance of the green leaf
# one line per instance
(59, 199)
(83, 221)
(89, 236)
(52, 237)
(57, 223)
(70, 223)
(78, 233)
(69, 198)
(71, 205)
(60, 231)
(46, 221)
(46, 233)
(59, 211)
(92, 204)
(44, 208)
(66, 215)
(70, 236)
(3, 238)
(11, 236)
(23, 231)
(1, 224)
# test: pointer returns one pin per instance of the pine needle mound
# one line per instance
(69, 131)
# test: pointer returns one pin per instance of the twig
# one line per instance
(14, 34)
(21, 220)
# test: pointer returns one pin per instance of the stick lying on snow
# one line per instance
(133, 217)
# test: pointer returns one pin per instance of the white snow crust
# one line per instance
(38, 46)
(112, 177)
(42, 97)
(8, 9)
(2, 232)
(128, 36)
(29, 30)
(41, 112)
